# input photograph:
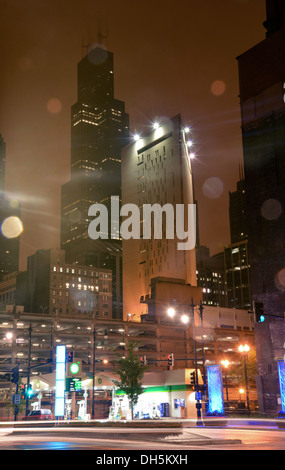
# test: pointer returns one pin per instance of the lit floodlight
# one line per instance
(171, 312)
(156, 125)
(244, 348)
(185, 319)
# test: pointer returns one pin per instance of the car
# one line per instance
(43, 414)
(147, 347)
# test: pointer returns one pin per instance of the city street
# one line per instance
(229, 438)
(142, 221)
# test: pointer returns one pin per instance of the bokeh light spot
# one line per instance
(280, 280)
(218, 87)
(14, 203)
(97, 54)
(25, 63)
(54, 105)
(12, 227)
(213, 188)
(271, 209)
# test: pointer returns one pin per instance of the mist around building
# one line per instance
(186, 310)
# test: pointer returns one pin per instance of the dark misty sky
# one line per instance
(167, 57)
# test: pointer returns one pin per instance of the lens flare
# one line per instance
(54, 106)
(280, 280)
(218, 87)
(271, 209)
(12, 227)
(213, 188)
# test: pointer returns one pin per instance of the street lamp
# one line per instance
(171, 312)
(244, 350)
(241, 392)
(185, 320)
(29, 367)
(226, 364)
(93, 374)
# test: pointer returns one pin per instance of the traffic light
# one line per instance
(259, 312)
(143, 360)
(29, 391)
(15, 375)
(193, 378)
(69, 356)
(74, 368)
(170, 359)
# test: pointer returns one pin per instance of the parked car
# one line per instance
(43, 414)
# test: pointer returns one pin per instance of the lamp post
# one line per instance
(201, 308)
(93, 374)
(185, 320)
(226, 364)
(29, 368)
(241, 392)
(244, 350)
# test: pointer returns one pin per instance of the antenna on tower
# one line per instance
(100, 35)
(241, 172)
(84, 48)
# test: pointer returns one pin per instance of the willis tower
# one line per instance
(99, 130)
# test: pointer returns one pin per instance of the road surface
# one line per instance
(228, 438)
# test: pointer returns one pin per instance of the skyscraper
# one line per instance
(2, 163)
(156, 171)
(237, 268)
(99, 129)
(9, 223)
(262, 98)
(237, 213)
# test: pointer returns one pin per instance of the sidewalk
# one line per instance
(203, 436)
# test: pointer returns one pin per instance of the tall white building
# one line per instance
(156, 169)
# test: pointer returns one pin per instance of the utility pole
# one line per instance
(29, 368)
(93, 374)
(197, 388)
(15, 379)
(246, 385)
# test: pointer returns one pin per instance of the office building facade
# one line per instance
(9, 234)
(56, 287)
(236, 260)
(2, 164)
(156, 169)
(262, 91)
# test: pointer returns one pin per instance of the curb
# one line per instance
(205, 442)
